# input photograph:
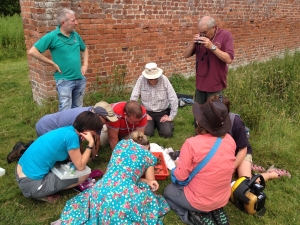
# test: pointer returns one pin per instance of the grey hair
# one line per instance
(209, 21)
(61, 15)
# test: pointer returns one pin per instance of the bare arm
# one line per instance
(150, 179)
(80, 160)
(240, 157)
(85, 58)
(190, 48)
(113, 136)
(224, 56)
(36, 54)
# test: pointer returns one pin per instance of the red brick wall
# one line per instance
(134, 32)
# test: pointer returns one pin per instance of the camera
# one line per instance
(247, 194)
(200, 35)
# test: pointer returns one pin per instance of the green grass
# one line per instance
(12, 41)
(264, 94)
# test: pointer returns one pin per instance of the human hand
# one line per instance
(56, 67)
(205, 42)
(149, 117)
(196, 38)
(88, 137)
(83, 69)
(153, 185)
(165, 118)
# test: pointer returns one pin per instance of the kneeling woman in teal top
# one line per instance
(33, 172)
(121, 196)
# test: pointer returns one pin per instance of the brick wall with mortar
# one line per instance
(133, 32)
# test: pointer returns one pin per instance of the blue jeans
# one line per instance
(70, 93)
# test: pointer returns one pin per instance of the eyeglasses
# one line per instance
(153, 79)
(204, 33)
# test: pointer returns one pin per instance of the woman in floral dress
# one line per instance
(121, 196)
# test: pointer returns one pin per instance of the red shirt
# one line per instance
(121, 125)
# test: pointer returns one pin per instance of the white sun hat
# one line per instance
(152, 71)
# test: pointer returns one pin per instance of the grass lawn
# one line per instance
(266, 95)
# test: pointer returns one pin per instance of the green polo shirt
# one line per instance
(65, 52)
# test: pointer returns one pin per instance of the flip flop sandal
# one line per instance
(50, 199)
(280, 172)
(258, 168)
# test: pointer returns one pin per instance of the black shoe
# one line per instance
(220, 216)
(18, 150)
(16, 153)
(201, 218)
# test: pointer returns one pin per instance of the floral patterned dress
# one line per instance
(119, 197)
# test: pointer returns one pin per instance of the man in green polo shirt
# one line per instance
(65, 45)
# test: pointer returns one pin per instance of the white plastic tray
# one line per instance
(60, 172)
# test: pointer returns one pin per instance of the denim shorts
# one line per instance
(49, 185)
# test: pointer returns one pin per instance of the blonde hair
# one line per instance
(140, 138)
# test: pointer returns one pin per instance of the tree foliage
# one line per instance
(10, 7)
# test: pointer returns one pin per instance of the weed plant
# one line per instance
(112, 87)
(264, 94)
(12, 44)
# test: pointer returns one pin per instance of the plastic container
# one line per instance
(2, 172)
(161, 171)
(63, 171)
(90, 182)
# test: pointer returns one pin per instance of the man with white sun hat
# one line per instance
(159, 98)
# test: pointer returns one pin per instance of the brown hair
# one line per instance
(221, 98)
(200, 130)
(87, 121)
(140, 138)
(133, 108)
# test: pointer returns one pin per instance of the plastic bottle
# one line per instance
(72, 168)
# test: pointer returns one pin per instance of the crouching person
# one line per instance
(202, 199)
(33, 172)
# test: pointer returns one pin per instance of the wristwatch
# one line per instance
(213, 48)
(89, 147)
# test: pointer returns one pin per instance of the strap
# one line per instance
(231, 116)
(207, 157)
